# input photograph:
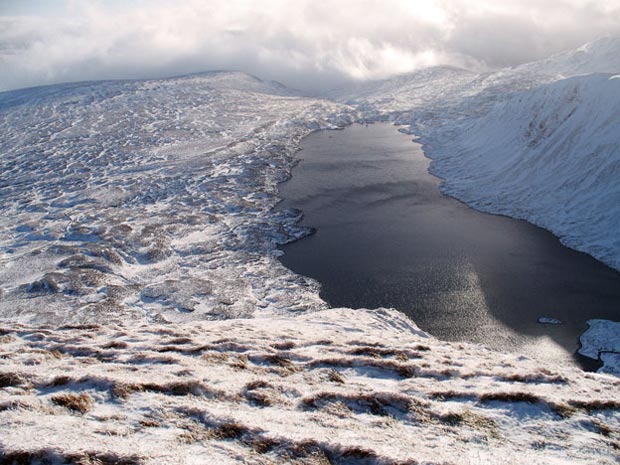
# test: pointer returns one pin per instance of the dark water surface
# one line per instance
(386, 237)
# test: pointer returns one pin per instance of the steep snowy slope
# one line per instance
(120, 199)
(551, 156)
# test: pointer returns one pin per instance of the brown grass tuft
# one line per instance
(282, 362)
(376, 404)
(19, 457)
(230, 430)
(124, 390)
(510, 397)
(335, 377)
(240, 362)
(94, 458)
(287, 345)
(214, 357)
(421, 348)
(471, 419)
(115, 345)
(534, 378)
(563, 410)
(180, 341)
(83, 327)
(257, 385)
(262, 444)
(596, 404)
(4, 331)
(378, 352)
(81, 403)
(149, 423)
(259, 392)
(11, 380)
(60, 381)
(604, 429)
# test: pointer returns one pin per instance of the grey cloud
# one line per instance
(307, 44)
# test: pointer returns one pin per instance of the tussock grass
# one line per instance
(591, 405)
(109, 458)
(450, 394)
(115, 345)
(231, 430)
(81, 403)
(335, 377)
(47, 456)
(279, 361)
(178, 388)
(240, 362)
(180, 341)
(400, 369)
(471, 419)
(61, 380)
(382, 404)
(510, 397)
(124, 390)
(4, 331)
(214, 357)
(259, 393)
(16, 404)
(84, 327)
(562, 409)
(20, 457)
(175, 388)
(537, 378)
(149, 423)
(287, 345)
(8, 379)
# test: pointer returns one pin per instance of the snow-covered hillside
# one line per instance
(550, 155)
(345, 387)
(600, 56)
(130, 198)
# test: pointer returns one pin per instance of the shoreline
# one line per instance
(585, 362)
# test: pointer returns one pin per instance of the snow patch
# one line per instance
(601, 341)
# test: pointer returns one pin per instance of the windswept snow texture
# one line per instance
(602, 342)
(551, 156)
(345, 387)
(130, 198)
(539, 142)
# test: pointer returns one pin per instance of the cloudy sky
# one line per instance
(309, 44)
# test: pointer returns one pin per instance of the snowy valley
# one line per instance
(138, 214)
